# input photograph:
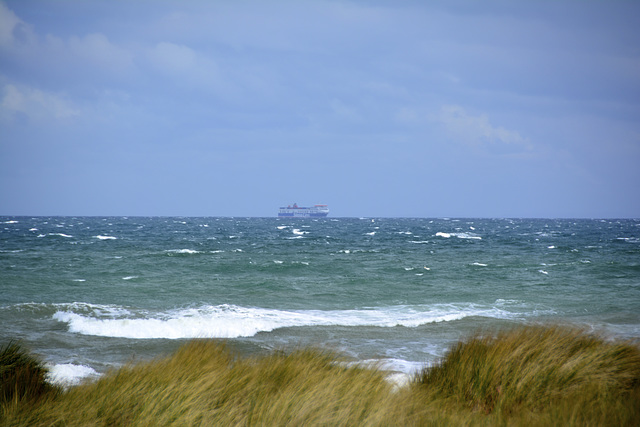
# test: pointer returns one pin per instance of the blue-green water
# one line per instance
(92, 293)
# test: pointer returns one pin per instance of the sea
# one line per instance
(90, 294)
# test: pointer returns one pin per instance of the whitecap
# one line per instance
(182, 251)
(275, 261)
(105, 237)
(373, 233)
(441, 234)
(10, 222)
(297, 232)
(466, 236)
(129, 277)
(281, 227)
(479, 264)
(543, 272)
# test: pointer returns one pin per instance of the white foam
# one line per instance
(466, 236)
(106, 237)
(68, 374)
(182, 251)
(399, 371)
(10, 222)
(479, 264)
(281, 227)
(297, 232)
(129, 277)
(60, 234)
(229, 321)
(373, 233)
(441, 234)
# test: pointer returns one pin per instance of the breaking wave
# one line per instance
(231, 321)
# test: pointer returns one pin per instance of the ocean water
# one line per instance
(88, 294)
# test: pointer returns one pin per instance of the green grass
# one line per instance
(526, 376)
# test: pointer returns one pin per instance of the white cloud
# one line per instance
(188, 68)
(35, 104)
(173, 58)
(97, 50)
(13, 29)
(477, 130)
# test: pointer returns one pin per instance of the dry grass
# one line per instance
(561, 372)
(529, 376)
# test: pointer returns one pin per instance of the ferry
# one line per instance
(295, 211)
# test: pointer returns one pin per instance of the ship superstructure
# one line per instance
(295, 211)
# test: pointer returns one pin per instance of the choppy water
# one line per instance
(91, 293)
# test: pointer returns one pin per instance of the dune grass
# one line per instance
(526, 376)
(552, 373)
(22, 378)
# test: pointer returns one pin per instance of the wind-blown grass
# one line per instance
(22, 378)
(532, 375)
(537, 370)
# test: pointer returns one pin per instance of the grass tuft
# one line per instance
(22, 377)
(535, 368)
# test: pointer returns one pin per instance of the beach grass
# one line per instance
(22, 378)
(526, 376)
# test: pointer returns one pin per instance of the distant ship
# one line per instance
(316, 211)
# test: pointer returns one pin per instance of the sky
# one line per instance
(452, 108)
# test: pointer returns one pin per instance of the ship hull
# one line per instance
(302, 215)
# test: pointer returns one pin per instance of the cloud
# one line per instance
(477, 131)
(12, 29)
(35, 104)
(186, 67)
(97, 50)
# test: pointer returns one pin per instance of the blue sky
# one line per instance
(378, 108)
